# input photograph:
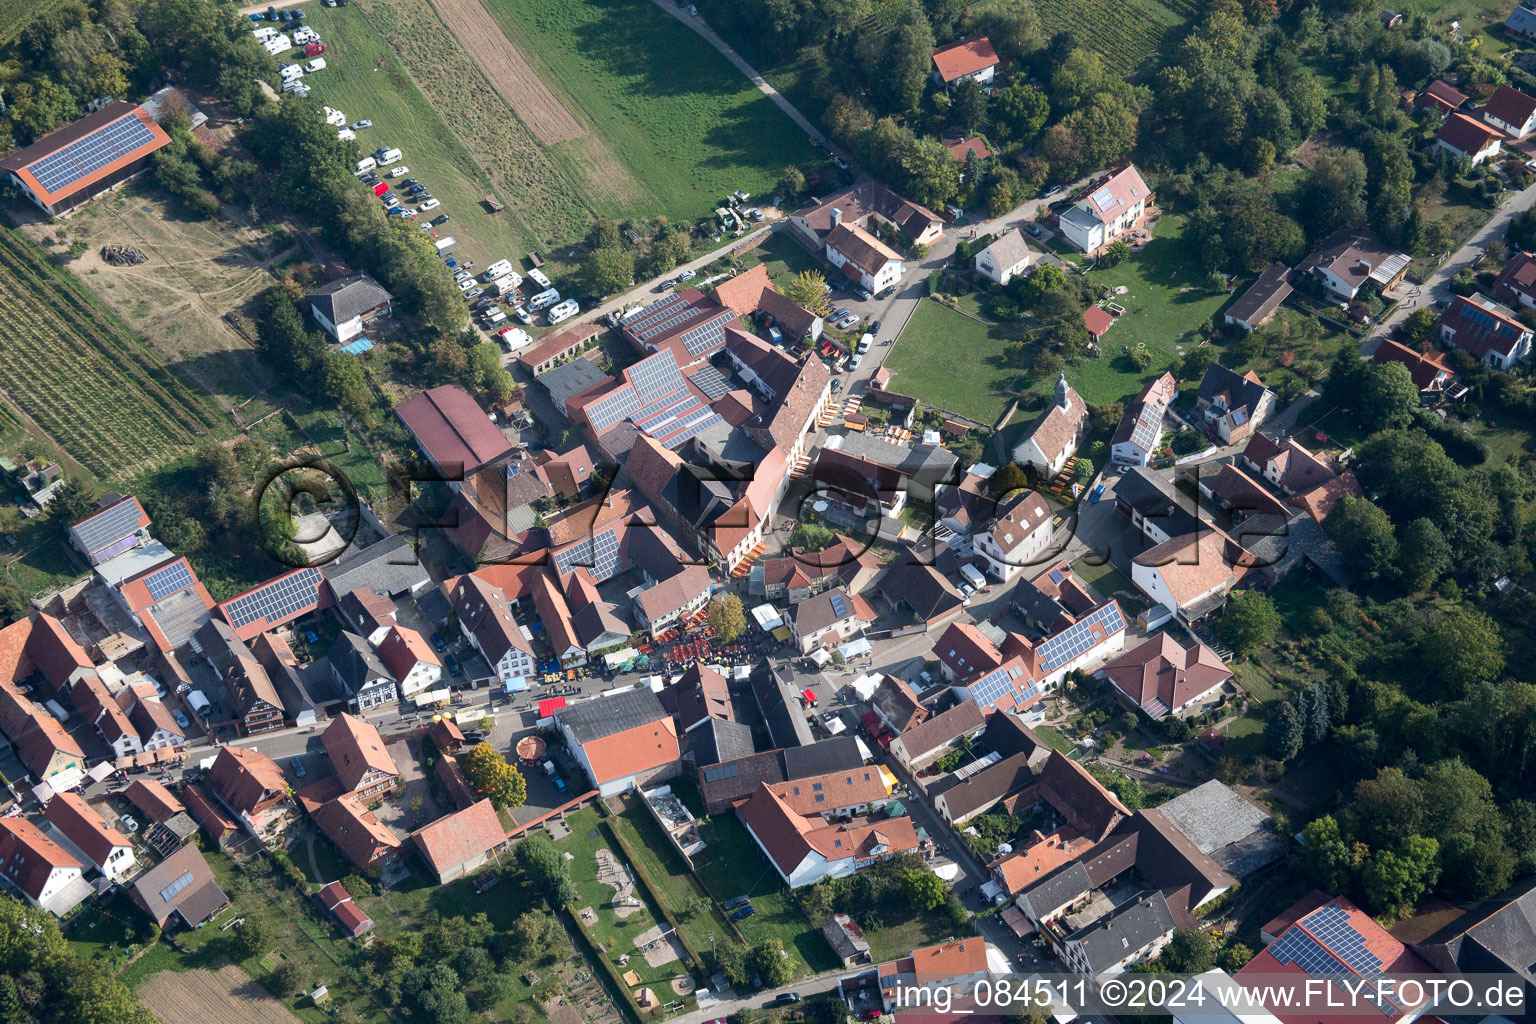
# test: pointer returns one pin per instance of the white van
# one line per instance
(290, 72)
(564, 311)
(318, 64)
(495, 270)
(543, 300)
(367, 163)
(388, 156)
(537, 276)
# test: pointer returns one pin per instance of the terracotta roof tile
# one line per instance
(356, 749)
(964, 58)
(460, 837)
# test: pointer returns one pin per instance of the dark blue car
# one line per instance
(744, 913)
(438, 643)
(454, 668)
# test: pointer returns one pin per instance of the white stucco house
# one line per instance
(1005, 258)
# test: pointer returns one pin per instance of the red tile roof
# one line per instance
(453, 429)
(1510, 105)
(28, 857)
(964, 58)
(402, 648)
(965, 147)
(360, 836)
(1426, 368)
(1480, 325)
(1163, 670)
(1319, 501)
(1465, 135)
(72, 816)
(245, 777)
(633, 751)
(741, 292)
(356, 749)
(459, 838)
(338, 901)
(157, 802)
(1443, 95)
(1098, 321)
(22, 162)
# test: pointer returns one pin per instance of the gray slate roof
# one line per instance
(571, 378)
(388, 568)
(347, 297)
(593, 719)
(357, 662)
(1056, 891)
(1131, 926)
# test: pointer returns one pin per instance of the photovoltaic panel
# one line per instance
(108, 527)
(655, 377)
(712, 382)
(839, 606)
(1078, 638)
(1330, 924)
(1300, 949)
(162, 583)
(693, 431)
(276, 601)
(84, 157)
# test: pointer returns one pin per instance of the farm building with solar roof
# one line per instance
(77, 163)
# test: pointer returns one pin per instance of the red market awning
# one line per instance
(550, 706)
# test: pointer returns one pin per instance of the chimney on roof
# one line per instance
(837, 216)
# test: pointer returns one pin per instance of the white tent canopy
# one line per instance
(866, 685)
(820, 657)
(767, 617)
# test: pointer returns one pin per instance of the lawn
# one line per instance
(951, 362)
(364, 79)
(1054, 738)
(612, 934)
(667, 107)
(1105, 579)
(671, 881)
(1167, 300)
(783, 256)
(732, 865)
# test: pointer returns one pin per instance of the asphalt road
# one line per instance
(1438, 287)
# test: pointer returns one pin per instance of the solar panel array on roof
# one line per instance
(710, 334)
(1058, 577)
(609, 410)
(86, 156)
(676, 441)
(655, 377)
(162, 583)
(109, 526)
(600, 556)
(720, 771)
(1298, 948)
(1104, 198)
(1331, 926)
(1078, 638)
(712, 382)
(1148, 422)
(170, 891)
(839, 606)
(279, 600)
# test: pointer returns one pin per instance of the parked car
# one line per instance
(465, 286)
(862, 293)
(744, 913)
(180, 716)
(522, 315)
(369, 179)
(736, 901)
(462, 275)
(687, 275)
(298, 767)
(838, 312)
(787, 998)
(395, 172)
(474, 293)
(559, 784)
(364, 123)
(130, 825)
(408, 182)
(874, 327)
(837, 385)
(454, 668)
(848, 322)
(430, 204)
(438, 643)
(441, 218)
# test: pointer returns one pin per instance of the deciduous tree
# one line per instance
(488, 773)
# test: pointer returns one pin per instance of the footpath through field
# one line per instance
(698, 24)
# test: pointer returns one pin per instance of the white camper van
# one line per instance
(564, 311)
(495, 270)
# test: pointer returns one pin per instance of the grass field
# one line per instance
(669, 108)
(952, 362)
(98, 391)
(364, 78)
(668, 126)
